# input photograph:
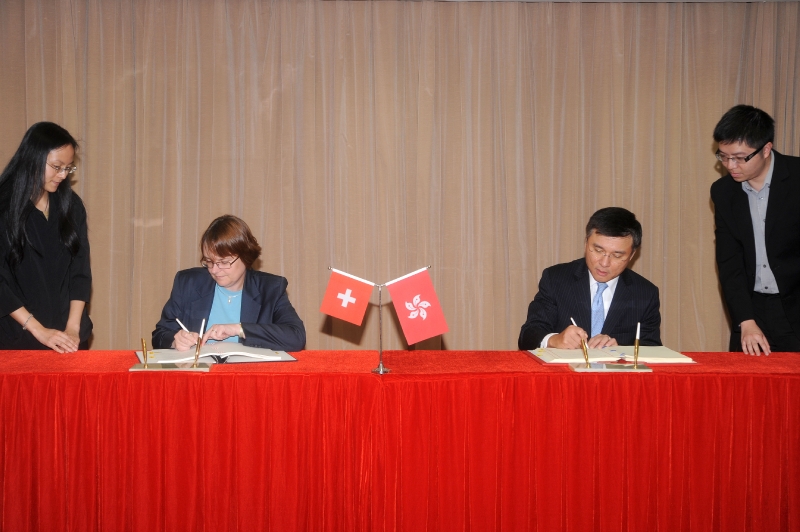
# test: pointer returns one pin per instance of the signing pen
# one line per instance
(182, 325)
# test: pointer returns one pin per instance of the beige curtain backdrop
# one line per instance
(380, 137)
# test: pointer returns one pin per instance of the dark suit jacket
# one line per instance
(564, 293)
(736, 249)
(268, 318)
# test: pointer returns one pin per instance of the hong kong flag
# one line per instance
(346, 297)
(417, 306)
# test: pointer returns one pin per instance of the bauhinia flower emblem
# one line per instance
(417, 308)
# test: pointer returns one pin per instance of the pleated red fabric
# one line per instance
(449, 441)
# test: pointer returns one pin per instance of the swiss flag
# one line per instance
(417, 306)
(346, 297)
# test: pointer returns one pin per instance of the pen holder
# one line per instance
(196, 353)
(585, 352)
(144, 353)
(159, 366)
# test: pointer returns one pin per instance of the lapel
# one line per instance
(622, 295)
(779, 201)
(200, 306)
(582, 295)
(251, 299)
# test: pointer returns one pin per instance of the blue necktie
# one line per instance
(598, 316)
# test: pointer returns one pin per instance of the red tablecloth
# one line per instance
(476, 441)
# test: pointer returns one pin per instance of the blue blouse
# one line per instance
(226, 308)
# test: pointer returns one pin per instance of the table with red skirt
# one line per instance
(449, 440)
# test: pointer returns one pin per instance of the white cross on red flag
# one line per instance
(346, 297)
(417, 306)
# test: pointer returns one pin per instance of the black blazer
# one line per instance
(735, 243)
(268, 318)
(564, 293)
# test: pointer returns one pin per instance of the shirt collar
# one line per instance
(611, 284)
(746, 184)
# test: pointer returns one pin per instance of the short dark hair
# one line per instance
(615, 222)
(229, 235)
(745, 123)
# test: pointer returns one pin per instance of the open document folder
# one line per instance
(221, 351)
(647, 355)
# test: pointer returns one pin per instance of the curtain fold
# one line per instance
(379, 137)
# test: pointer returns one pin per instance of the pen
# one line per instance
(187, 330)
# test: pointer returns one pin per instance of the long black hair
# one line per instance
(22, 183)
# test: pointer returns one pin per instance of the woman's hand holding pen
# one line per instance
(185, 340)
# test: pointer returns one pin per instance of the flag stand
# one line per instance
(381, 369)
(331, 309)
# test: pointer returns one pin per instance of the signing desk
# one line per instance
(481, 441)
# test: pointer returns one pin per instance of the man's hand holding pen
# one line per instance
(571, 337)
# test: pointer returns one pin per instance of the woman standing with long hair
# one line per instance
(45, 277)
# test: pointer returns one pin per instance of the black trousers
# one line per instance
(772, 320)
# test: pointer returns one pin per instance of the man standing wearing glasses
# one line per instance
(598, 292)
(757, 217)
